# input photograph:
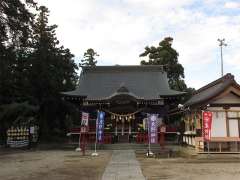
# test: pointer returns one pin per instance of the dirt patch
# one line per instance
(189, 169)
(53, 165)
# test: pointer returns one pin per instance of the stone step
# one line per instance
(119, 146)
(126, 146)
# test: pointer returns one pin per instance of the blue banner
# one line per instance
(100, 125)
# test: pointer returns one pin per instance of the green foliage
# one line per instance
(15, 32)
(56, 117)
(52, 67)
(16, 114)
(89, 58)
(165, 55)
(52, 71)
(34, 69)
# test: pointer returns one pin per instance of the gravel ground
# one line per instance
(191, 169)
(52, 165)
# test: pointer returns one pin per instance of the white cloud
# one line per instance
(119, 30)
(232, 5)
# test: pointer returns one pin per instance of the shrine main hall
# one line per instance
(126, 94)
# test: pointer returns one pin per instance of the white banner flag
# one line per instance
(85, 117)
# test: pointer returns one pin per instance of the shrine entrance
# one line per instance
(123, 130)
(124, 127)
(124, 116)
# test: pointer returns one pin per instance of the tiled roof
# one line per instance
(102, 82)
(211, 90)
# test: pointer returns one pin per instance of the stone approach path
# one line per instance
(123, 166)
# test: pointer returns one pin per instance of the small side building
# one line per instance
(222, 98)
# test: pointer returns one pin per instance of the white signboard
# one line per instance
(32, 130)
(85, 117)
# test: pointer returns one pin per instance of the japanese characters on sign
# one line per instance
(162, 129)
(84, 129)
(85, 117)
(100, 125)
(152, 128)
(207, 125)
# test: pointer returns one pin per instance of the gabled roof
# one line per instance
(211, 90)
(143, 82)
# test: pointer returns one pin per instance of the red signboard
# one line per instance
(84, 129)
(207, 125)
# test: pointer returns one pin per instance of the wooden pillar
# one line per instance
(116, 128)
(122, 127)
(227, 123)
(129, 127)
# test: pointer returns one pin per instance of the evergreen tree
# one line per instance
(15, 32)
(165, 55)
(15, 42)
(52, 66)
(89, 58)
(52, 71)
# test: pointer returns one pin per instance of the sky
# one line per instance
(118, 30)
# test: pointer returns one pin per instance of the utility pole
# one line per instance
(221, 44)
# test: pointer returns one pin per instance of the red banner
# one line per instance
(207, 125)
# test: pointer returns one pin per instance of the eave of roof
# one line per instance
(211, 90)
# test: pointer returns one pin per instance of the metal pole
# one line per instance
(95, 145)
(79, 139)
(96, 137)
(79, 143)
(221, 62)
(149, 143)
(221, 44)
(149, 139)
(208, 148)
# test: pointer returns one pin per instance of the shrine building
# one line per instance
(126, 94)
(222, 98)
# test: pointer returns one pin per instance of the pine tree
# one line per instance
(15, 32)
(165, 55)
(51, 64)
(89, 58)
(52, 71)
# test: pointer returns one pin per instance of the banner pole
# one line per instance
(95, 145)
(149, 143)
(208, 148)
(79, 141)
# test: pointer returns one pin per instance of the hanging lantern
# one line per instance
(120, 117)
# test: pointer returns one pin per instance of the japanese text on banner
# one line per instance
(153, 136)
(207, 125)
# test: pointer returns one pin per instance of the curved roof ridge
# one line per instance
(212, 90)
(124, 68)
(227, 76)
